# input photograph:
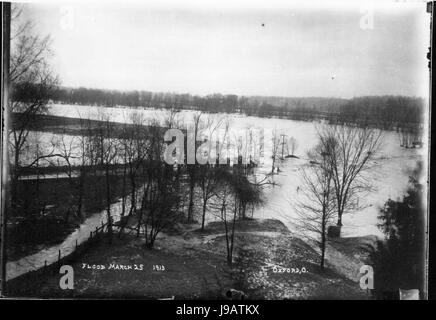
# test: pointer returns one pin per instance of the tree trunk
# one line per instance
(323, 245)
(339, 224)
(141, 210)
(108, 199)
(133, 195)
(204, 214)
(14, 180)
(123, 191)
(232, 237)
(323, 238)
(340, 211)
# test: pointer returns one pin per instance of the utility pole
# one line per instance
(6, 38)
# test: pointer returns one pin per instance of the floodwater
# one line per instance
(390, 178)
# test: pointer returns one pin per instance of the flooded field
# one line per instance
(393, 163)
(390, 177)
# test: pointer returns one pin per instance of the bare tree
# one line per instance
(193, 167)
(32, 85)
(172, 118)
(86, 161)
(207, 179)
(69, 151)
(78, 156)
(233, 194)
(159, 197)
(207, 183)
(108, 149)
(151, 159)
(275, 146)
(134, 147)
(159, 202)
(317, 205)
(408, 135)
(227, 211)
(351, 151)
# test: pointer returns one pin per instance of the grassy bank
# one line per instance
(190, 264)
(46, 213)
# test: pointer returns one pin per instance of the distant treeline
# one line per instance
(387, 112)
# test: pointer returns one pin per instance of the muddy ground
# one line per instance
(186, 263)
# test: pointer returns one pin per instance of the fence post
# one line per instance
(59, 256)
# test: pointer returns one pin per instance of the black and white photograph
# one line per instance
(215, 150)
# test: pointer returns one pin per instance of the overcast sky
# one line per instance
(284, 51)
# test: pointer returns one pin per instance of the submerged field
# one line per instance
(199, 257)
(392, 164)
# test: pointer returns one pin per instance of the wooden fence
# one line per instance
(23, 284)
